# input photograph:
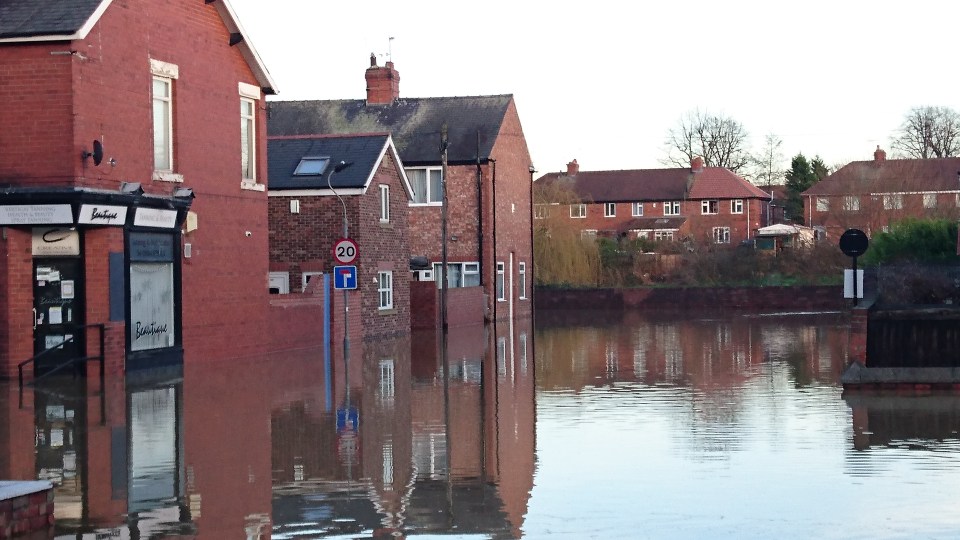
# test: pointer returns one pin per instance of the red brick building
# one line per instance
(309, 177)
(119, 113)
(488, 179)
(871, 195)
(707, 205)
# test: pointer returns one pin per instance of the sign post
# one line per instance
(853, 243)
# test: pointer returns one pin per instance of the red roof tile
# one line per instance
(891, 176)
(656, 185)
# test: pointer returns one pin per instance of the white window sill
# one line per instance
(252, 186)
(167, 176)
(426, 204)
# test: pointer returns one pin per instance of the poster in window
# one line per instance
(151, 306)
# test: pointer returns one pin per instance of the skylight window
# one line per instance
(312, 166)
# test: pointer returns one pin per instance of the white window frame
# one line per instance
(165, 73)
(663, 235)
(721, 235)
(636, 209)
(823, 204)
(929, 200)
(581, 211)
(709, 207)
(893, 201)
(501, 288)
(430, 198)
(385, 289)
(736, 206)
(305, 278)
(671, 208)
(280, 280)
(851, 203)
(541, 211)
(384, 203)
(609, 209)
(522, 279)
(588, 234)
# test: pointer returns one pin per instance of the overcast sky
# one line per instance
(603, 81)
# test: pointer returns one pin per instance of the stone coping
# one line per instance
(858, 374)
(10, 489)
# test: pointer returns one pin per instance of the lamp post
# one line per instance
(346, 309)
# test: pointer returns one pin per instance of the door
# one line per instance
(57, 311)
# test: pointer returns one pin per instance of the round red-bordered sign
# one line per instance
(345, 251)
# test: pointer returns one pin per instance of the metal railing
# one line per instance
(101, 329)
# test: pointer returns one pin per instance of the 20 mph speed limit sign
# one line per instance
(345, 251)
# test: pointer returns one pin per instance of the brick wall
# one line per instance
(16, 339)
(26, 513)
(465, 305)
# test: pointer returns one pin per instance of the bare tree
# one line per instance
(719, 140)
(928, 132)
(767, 164)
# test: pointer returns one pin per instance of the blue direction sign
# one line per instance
(344, 277)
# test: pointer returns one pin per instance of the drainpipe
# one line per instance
(530, 273)
(493, 190)
(479, 212)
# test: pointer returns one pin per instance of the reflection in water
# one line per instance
(644, 426)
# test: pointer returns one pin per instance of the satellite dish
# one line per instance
(97, 153)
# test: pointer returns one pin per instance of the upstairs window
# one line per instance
(578, 210)
(736, 206)
(636, 209)
(929, 200)
(709, 207)
(501, 290)
(427, 184)
(541, 211)
(893, 202)
(522, 281)
(162, 94)
(671, 208)
(385, 289)
(312, 166)
(823, 204)
(249, 100)
(384, 203)
(609, 209)
(851, 203)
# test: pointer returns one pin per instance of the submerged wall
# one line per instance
(806, 298)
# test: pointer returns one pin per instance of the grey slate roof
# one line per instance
(284, 154)
(415, 123)
(25, 18)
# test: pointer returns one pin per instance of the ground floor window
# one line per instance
(385, 289)
(522, 282)
(663, 235)
(721, 235)
(459, 274)
(501, 292)
(152, 322)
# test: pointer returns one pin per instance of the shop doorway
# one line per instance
(57, 312)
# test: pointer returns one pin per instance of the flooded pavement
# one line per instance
(596, 425)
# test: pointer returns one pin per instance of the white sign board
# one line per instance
(55, 242)
(848, 283)
(154, 217)
(36, 214)
(99, 214)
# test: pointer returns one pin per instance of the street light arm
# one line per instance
(338, 168)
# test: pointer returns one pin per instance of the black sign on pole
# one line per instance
(853, 243)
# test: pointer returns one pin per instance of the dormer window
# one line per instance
(312, 166)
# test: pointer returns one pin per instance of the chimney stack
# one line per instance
(696, 164)
(383, 83)
(573, 168)
(879, 156)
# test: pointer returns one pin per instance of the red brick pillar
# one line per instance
(859, 321)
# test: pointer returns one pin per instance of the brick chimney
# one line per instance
(696, 164)
(383, 83)
(879, 156)
(573, 168)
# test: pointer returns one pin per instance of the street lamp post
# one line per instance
(346, 309)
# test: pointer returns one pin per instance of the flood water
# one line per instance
(592, 425)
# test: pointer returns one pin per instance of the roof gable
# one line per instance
(473, 123)
(364, 153)
(69, 20)
(891, 176)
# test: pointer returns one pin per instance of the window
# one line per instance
(471, 274)
(427, 184)
(385, 289)
(162, 124)
(721, 235)
(459, 274)
(609, 209)
(501, 292)
(671, 208)
(388, 385)
(893, 202)
(736, 206)
(662, 235)
(541, 211)
(851, 203)
(248, 153)
(929, 200)
(312, 166)
(637, 209)
(709, 207)
(152, 303)
(588, 234)
(278, 282)
(522, 281)
(384, 203)
(578, 210)
(306, 277)
(823, 204)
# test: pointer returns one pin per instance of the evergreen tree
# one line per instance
(800, 177)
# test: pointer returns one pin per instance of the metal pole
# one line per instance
(346, 308)
(444, 143)
(856, 288)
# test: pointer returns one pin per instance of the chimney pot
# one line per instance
(573, 168)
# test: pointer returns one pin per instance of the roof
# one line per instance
(363, 152)
(891, 176)
(69, 20)
(473, 123)
(656, 185)
(780, 229)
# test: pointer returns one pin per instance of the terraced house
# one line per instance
(705, 205)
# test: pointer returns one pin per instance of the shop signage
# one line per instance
(154, 217)
(55, 242)
(147, 247)
(36, 214)
(99, 214)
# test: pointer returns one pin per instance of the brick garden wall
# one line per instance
(465, 305)
(683, 298)
(26, 513)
